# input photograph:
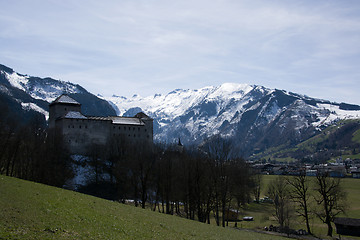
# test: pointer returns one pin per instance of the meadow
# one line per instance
(31, 210)
(263, 216)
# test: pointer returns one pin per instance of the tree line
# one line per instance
(200, 183)
(30, 151)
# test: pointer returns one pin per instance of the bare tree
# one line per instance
(299, 193)
(331, 197)
(279, 192)
(256, 180)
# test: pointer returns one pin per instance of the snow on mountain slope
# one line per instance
(177, 102)
(335, 114)
(234, 111)
(45, 89)
(35, 94)
(33, 106)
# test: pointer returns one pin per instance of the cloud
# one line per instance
(159, 45)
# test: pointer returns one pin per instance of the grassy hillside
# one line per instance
(34, 211)
(340, 139)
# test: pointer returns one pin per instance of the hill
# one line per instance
(342, 139)
(34, 211)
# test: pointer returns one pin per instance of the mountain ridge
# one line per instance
(254, 118)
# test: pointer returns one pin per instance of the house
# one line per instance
(347, 226)
(80, 132)
(355, 174)
(232, 215)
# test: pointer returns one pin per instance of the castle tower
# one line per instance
(60, 107)
(148, 124)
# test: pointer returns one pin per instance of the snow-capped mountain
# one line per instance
(254, 117)
(33, 94)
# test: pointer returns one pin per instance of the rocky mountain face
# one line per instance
(26, 96)
(253, 118)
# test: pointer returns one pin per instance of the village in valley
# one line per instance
(340, 169)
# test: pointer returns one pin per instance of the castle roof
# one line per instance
(75, 115)
(127, 121)
(65, 99)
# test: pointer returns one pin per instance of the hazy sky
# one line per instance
(125, 47)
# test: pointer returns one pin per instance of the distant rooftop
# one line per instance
(65, 99)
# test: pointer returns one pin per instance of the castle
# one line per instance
(81, 132)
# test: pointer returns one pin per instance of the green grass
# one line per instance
(35, 211)
(356, 136)
(262, 213)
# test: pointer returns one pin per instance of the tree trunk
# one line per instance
(330, 229)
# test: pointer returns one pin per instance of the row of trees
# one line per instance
(322, 196)
(194, 183)
(29, 151)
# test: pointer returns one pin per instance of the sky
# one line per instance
(144, 47)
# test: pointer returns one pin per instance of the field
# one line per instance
(262, 213)
(34, 211)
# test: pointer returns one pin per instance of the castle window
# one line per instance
(133, 128)
(124, 128)
(119, 128)
(139, 128)
(145, 129)
(134, 135)
(129, 128)
(85, 126)
(80, 126)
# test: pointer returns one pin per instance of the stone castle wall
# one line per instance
(81, 133)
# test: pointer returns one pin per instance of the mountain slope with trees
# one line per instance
(342, 139)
